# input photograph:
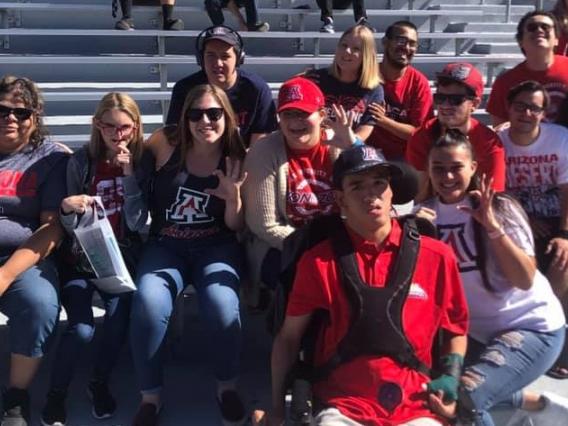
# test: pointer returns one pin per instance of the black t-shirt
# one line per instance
(181, 208)
(250, 97)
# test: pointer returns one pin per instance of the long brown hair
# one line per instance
(124, 103)
(27, 91)
(232, 145)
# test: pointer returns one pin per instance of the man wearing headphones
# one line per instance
(219, 52)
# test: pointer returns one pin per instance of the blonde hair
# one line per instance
(124, 103)
(231, 142)
(561, 14)
(369, 76)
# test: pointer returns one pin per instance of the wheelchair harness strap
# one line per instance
(376, 313)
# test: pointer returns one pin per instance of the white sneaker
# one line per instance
(554, 413)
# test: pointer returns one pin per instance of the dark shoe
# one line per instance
(124, 24)
(558, 372)
(147, 415)
(173, 25)
(327, 26)
(261, 27)
(54, 413)
(231, 406)
(16, 407)
(104, 404)
(363, 21)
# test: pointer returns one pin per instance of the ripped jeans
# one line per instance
(496, 373)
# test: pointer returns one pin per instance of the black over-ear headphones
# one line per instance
(222, 33)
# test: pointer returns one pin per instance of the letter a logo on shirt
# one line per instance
(189, 207)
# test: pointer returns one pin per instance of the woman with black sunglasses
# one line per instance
(32, 185)
(193, 196)
(459, 89)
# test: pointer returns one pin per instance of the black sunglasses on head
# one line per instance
(213, 114)
(453, 100)
(19, 113)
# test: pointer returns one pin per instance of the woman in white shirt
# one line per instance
(516, 322)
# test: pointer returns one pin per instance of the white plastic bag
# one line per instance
(96, 237)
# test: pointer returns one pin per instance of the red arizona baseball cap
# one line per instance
(300, 93)
(464, 73)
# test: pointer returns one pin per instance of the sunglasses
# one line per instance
(111, 129)
(213, 114)
(20, 113)
(535, 26)
(519, 106)
(453, 100)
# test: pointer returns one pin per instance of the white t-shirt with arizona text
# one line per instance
(534, 171)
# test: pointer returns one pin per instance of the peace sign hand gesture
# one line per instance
(230, 182)
(484, 213)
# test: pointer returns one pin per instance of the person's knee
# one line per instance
(83, 333)
(221, 307)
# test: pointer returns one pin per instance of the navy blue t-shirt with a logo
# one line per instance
(250, 97)
(32, 181)
(181, 208)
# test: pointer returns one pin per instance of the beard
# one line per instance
(396, 63)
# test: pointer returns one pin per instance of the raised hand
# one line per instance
(230, 182)
(76, 204)
(484, 212)
(341, 126)
(124, 159)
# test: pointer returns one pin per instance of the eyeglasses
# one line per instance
(111, 130)
(213, 114)
(403, 41)
(453, 100)
(519, 106)
(21, 114)
(535, 26)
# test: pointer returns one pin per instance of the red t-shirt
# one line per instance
(107, 184)
(554, 79)
(310, 190)
(435, 300)
(409, 101)
(487, 147)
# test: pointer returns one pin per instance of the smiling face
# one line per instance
(400, 47)
(349, 53)
(451, 169)
(539, 35)
(455, 116)
(365, 199)
(301, 130)
(209, 125)
(15, 131)
(117, 128)
(220, 63)
(526, 112)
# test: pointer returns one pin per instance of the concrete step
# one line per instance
(486, 8)
(485, 48)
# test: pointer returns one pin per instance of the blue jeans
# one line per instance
(495, 374)
(76, 298)
(31, 304)
(166, 267)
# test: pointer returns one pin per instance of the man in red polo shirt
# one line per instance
(374, 389)
(459, 88)
(537, 35)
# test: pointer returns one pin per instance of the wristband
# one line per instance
(358, 142)
(562, 233)
(452, 365)
(498, 233)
